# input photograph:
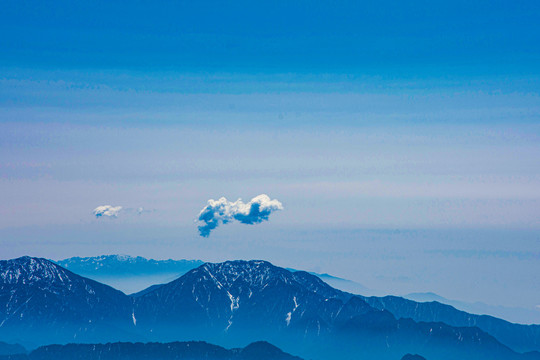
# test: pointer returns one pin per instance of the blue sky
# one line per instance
(402, 139)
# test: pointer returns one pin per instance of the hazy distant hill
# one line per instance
(340, 283)
(237, 302)
(513, 314)
(134, 274)
(127, 273)
(114, 265)
(516, 336)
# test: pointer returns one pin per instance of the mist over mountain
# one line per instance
(113, 265)
(512, 314)
(239, 302)
(134, 275)
(129, 274)
(519, 337)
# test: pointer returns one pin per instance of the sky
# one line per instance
(402, 139)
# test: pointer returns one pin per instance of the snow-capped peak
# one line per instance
(27, 269)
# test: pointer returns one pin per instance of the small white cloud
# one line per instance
(222, 211)
(107, 210)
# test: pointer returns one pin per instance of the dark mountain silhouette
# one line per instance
(230, 304)
(519, 337)
(10, 349)
(192, 350)
(412, 357)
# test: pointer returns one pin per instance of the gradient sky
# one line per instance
(402, 139)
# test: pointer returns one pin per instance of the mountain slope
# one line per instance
(230, 303)
(239, 295)
(45, 302)
(511, 314)
(247, 300)
(519, 337)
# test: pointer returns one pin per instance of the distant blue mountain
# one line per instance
(519, 337)
(135, 274)
(513, 314)
(127, 273)
(115, 265)
(237, 302)
(340, 283)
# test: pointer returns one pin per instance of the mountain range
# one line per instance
(239, 302)
(134, 274)
(512, 314)
(129, 274)
(115, 265)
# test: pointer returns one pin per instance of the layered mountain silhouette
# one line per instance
(413, 357)
(132, 274)
(239, 302)
(11, 349)
(193, 350)
(519, 337)
(512, 314)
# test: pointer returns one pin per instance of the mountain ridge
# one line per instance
(135, 274)
(112, 265)
(235, 301)
(58, 303)
(516, 315)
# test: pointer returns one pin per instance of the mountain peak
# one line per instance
(256, 275)
(233, 295)
(254, 272)
(56, 302)
(29, 269)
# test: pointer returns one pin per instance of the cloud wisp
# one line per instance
(107, 211)
(222, 211)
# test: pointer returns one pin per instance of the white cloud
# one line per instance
(107, 210)
(222, 211)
